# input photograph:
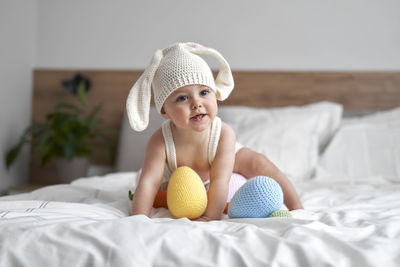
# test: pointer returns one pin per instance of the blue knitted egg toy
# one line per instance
(257, 198)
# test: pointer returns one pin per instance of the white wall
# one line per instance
(123, 34)
(17, 53)
(285, 35)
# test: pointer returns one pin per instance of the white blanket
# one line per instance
(86, 223)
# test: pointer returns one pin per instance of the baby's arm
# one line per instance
(150, 178)
(220, 173)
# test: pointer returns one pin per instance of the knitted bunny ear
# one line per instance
(138, 101)
(224, 81)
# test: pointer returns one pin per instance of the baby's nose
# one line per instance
(196, 104)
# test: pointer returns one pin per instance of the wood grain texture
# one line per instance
(355, 90)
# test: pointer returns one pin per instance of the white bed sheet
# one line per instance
(86, 224)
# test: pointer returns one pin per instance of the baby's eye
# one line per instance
(181, 98)
(204, 92)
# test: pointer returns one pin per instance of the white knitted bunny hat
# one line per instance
(172, 68)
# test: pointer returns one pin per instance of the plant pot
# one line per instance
(69, 170)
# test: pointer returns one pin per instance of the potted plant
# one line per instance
(68, 135)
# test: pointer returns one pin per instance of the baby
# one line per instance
(186, 94)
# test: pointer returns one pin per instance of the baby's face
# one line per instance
(191, 107)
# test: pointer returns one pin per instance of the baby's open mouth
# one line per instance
(198, 117)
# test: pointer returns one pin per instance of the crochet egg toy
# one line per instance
(257, 198)
(186, 194)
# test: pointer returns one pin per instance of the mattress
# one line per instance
(87, 223)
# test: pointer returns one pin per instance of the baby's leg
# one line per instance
(250, 163)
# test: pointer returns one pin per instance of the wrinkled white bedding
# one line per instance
(86, 224)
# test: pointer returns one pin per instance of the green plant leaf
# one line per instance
(81, 91)
(94, 112)
(11, 155)
(45, 146)
(25, 138)
(68, 107)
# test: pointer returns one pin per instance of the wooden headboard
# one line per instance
(355, 90)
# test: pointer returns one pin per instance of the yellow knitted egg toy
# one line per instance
(186, 194)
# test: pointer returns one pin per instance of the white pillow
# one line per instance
(364, 149)
(291, 137)
(132, 144)
(377, 117)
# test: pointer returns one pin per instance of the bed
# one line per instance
(343, 158)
